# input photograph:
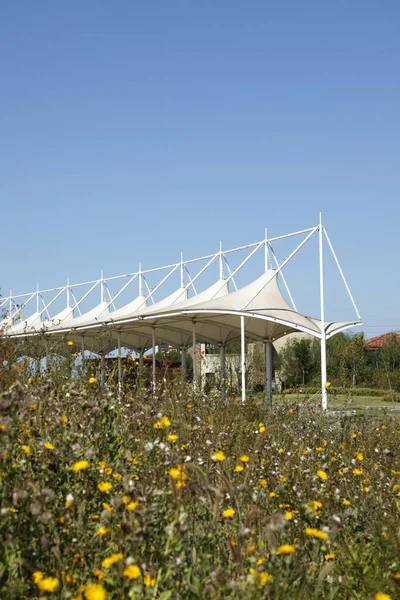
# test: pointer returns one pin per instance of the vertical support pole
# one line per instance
(266, 253)
(83, 356)
(119, 365)
(68, 294)
(153, 343)
(324, 392)
(243, 358)
(268, 372)
(102, 290)
(184, 360)
(182, 272)
(194, 357)
(223, 372)
(141, 358)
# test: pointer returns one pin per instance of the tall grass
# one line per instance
(180, 497)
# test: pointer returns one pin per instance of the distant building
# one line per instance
(377, 342)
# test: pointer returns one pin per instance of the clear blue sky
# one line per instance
(134, 130)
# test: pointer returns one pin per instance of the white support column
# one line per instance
(223, 372)
(10, 307)
(194, 357)
(119, 365)
(243, 358)
(268, 372)
(153, 343)
(324, 392)
(83, 356)
(102, 288)
(184, 360)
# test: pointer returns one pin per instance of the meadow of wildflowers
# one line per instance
(180, 497)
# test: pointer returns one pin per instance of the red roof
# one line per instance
(380, 340)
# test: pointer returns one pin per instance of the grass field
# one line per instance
(180, 497)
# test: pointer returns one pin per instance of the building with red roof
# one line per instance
(377, 342)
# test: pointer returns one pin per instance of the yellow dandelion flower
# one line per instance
(228, 513)
(238, 468)
(37, 576)
(108, 471)
(149, 581)
(382, 596)
(272, 494)
(174, 473)
(64, 419)
(244, 458)
(102, 464)
(126, 499)
(105, 486)
(396, 576)
(103, 531)
(132, 572)
(70, 343)
(263, 482)
(265, 578)
(48, 446)
(26, 449)
(281, 451)
(111, 560)
(95, 591)
(117, 476)
(157, 425)
(288, 515)
(329, 556)
(286, 549)
(346, 502)
(316, 533)
(322, 475)
(165, 422)
(80, 465)
(48, 584)
(359, 456)
(99, 574)
(172, 437)
(92, 380)
(107, 507)
(357, 472)
(328, 384)
(94, 517)
(218, 456)
(132, 505)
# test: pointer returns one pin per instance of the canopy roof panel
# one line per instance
(216, 312)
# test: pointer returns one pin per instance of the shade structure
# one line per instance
(216, 312)
(217, 315)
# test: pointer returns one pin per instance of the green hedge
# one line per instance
(341, 391)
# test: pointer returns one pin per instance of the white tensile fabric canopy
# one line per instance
(216, 315)
(215, 311)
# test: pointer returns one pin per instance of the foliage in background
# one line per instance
(349, 362)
